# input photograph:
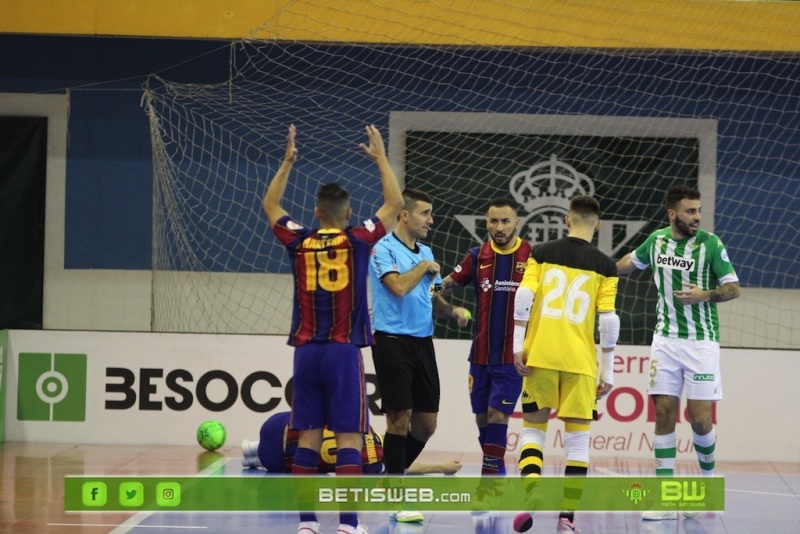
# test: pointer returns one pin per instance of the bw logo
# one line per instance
(51, 387)
(675, 490)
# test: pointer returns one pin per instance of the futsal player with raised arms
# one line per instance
(330, 319)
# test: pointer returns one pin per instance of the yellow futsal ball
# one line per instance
(211, 435)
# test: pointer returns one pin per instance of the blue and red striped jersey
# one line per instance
(495, 275)
(330, 281)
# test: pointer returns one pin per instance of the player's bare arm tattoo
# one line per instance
(725, 292)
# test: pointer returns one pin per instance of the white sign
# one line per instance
(150, 388)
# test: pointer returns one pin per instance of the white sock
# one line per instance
(704, 447)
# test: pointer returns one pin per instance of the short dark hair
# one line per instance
(677, 193)
(333, 200)
(502, 202)
(412, 196)
(585, 206)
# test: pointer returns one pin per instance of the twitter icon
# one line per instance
(131, 494)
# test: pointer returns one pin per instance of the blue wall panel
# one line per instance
(109, 173)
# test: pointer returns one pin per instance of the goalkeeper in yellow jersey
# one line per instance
(569, 285)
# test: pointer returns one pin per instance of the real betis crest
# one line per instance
(636, 493)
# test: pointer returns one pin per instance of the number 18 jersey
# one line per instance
(330, 281)
(571, 281)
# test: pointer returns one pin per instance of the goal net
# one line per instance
(480, 107)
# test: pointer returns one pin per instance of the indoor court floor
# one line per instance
(760, 497)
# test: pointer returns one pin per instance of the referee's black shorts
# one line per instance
(407, 374)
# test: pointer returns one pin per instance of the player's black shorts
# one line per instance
(407, 374)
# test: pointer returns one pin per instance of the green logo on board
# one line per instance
(51, 387)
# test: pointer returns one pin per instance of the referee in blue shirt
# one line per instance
(404, 284)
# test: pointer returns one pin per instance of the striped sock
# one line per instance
(530, 454)
(576, 447)
(704, 447)
(665, 448)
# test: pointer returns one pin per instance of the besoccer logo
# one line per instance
(51, 387)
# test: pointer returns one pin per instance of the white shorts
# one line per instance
(678, 363)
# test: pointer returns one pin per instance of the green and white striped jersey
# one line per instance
(701, 260)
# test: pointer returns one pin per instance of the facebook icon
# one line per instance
(94, 493)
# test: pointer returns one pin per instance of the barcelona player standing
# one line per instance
(330, 320)
(495, 270)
